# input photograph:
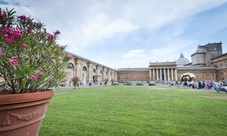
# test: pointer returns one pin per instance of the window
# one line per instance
(94, 70)
(84, 68)
(70, 65)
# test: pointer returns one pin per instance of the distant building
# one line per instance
(182, 61)
(205, 53)
(207, 63)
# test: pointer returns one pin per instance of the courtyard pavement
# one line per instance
(97, 85)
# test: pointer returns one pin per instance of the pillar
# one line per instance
(149, 74)
(172, 74)
(168, 74)
(157, 74)
(164, 74)
(176, 74)
(153, 74)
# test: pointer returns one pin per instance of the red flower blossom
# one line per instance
(35, 78)
(41, 73)
(25, 45)
(13, 62)
(70, 56)
(2, 16)
(57, 32)
(51, 37)
(23, 17)
(29, 30)
(1, 53)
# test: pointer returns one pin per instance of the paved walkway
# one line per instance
(97, 85)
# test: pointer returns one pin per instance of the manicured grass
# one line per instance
(136, 110)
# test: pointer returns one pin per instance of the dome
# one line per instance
(182, 61)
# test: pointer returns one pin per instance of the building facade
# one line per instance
(207, 63)
(88, 71)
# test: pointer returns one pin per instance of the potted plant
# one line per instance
(31, 64)
(75, 81)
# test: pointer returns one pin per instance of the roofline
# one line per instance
(77, 56)
(219, 56)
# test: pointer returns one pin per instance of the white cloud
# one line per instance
(100, 28)
(133, 54)
(170, 48)
(85, 25)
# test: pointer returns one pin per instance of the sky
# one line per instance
(130, 33)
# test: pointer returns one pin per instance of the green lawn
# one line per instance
(136, 110)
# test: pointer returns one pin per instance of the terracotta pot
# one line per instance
(75, 85)
(22, 114)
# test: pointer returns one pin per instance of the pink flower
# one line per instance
(11, 35)
(29, 30)
(57, 32)
(23, 17)
(1, 53)
(13, 62)
(37, 42)
(51, 37)
(9, 40)
(2, 16)
(41, 73)
(70, 56)
(17, 34)
(25, 46)
(35, 78)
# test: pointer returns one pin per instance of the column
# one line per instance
(172, 74)
(149, 74)
(164, 74)
(176, 74)
(211, 77)
(153, 74)
(215, 77)
(201, 75)
(157, 74)
(168, 73)
(161, 74)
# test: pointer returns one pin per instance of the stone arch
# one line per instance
(94, 70)
(70, 65)
(84, 68)
(221, 75)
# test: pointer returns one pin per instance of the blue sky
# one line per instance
(130, 33)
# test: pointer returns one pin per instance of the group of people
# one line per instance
(209, 85)
(205, 84)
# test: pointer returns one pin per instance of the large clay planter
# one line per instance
(75, 84)
(22, 114)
